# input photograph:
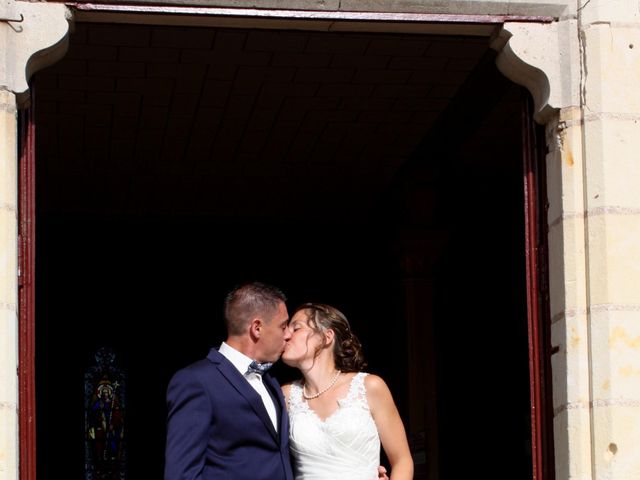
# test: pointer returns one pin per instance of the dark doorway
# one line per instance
(175, 162)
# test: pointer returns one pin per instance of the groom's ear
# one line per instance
(255, 328)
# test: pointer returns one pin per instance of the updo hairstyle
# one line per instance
(347, 350)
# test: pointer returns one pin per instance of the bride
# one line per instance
(338, 414)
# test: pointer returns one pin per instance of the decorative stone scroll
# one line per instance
(545, 59)
(33, 35)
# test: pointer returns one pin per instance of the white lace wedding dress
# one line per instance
(345, 446)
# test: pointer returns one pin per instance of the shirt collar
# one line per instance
(237, 358)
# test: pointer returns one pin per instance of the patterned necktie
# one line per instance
(259, 368)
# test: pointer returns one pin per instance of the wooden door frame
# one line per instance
(26, 292)
(538, 305)
(535, 215)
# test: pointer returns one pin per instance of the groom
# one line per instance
(226, 414)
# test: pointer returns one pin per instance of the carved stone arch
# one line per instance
(34, 36)
(539, 57)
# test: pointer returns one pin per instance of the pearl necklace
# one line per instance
(316, 395)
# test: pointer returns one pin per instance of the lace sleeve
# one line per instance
(294, 399)
(357, 391)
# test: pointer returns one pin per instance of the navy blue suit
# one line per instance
(218, 427)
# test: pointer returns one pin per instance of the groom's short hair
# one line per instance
(248, 301)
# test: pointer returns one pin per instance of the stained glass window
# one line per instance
(105, 408)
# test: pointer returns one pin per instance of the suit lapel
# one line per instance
(242, 386)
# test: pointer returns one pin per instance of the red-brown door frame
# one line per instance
(538, 312)
(535, 250)
(26, 292)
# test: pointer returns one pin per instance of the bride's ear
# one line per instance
(329, 336)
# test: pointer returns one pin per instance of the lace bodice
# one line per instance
(344, 446)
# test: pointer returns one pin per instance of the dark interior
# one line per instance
(174, 163)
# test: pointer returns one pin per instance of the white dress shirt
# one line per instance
(241, 362)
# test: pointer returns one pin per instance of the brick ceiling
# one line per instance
(237, 123)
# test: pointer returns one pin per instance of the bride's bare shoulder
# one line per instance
(376, 386)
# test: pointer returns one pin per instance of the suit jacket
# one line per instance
(218, 427)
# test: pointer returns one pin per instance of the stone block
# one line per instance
(612, 170)
(614, 258)
(615, 353)
(572, 444)
(570, 365)
(613, 68)
(567, 275)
